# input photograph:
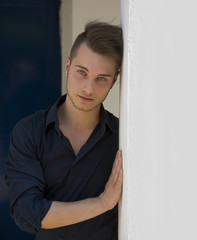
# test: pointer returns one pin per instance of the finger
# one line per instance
(117, 167)
(115, 164)
(118, 184)
(119, 179)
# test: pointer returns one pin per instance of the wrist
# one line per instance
(103, 204)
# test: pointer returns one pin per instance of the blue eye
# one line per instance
(101, 79)
(81, 72)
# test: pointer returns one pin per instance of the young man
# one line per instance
(63, 180)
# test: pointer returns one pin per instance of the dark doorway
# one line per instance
(30, 77)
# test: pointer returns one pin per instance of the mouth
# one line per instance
(86, 99)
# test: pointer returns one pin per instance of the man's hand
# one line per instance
(112, 192)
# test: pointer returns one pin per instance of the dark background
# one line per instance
(30, 78)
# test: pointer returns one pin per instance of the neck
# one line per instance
(76, 119)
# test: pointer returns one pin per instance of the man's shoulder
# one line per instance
(32, 123)
(111, 116)
(112, 120)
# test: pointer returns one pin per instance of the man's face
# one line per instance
(90, 77)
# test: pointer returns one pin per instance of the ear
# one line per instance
(67, 65)
(115, 78)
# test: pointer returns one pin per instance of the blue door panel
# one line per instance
(30, 77)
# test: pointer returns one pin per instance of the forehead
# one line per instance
(93, 61)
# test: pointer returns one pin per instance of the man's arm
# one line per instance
(67, 213)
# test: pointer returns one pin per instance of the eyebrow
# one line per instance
(82, 67)
(100, 75)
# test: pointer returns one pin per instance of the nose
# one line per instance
(88, 87)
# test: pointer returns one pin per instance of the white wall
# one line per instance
(158, 124)
(74, 15)
(66, 32)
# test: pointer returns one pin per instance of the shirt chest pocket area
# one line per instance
(56, 169)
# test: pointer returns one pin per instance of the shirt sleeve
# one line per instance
(25, 179)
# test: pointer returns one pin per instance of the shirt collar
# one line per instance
(107, 118)
(52, 118)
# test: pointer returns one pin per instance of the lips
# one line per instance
(86, 98)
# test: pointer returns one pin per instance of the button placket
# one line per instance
(69, 180)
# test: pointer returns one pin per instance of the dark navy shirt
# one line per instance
(43, 167)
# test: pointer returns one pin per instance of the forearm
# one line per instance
(67, 213)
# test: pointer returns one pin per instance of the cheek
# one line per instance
(71, 86)
(74, 81)
(103, 90)
(105, 86)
